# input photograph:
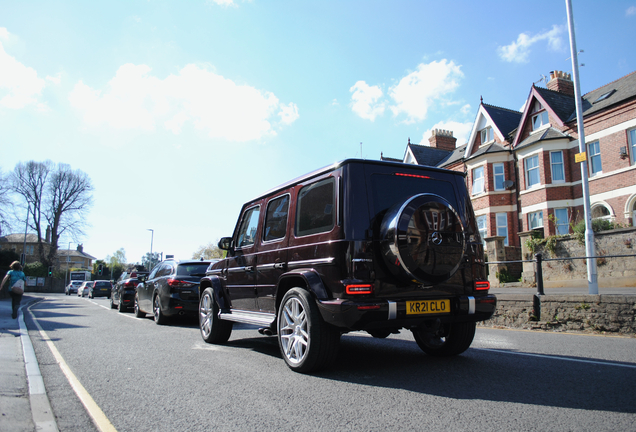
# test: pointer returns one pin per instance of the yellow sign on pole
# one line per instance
(580, 157)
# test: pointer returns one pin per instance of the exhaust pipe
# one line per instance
(266, 331)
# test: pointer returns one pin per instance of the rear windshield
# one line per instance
(194, 269)
(389, 189)
(102, 284)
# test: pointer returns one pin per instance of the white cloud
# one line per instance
(519, 50)
(364, 100)
(466, 109)
(134, 99)
(288, 113)
(57, 79)
(630, 11)
(20, 85)
(416, 92)
(461, 131)
(224, 2)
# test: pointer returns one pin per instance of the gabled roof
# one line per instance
(545, 135)
(426, 155)
(620, 90)
(561, 104)
(503, 121)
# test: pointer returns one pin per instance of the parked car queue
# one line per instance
(169, 290)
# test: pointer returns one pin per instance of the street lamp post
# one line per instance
(152, 236)
(68, 263)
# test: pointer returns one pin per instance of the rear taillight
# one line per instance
(176, 283)
(482, 285)
(131, 284)
(359, 289)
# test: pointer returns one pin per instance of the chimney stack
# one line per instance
(561, 82)
(442, 139)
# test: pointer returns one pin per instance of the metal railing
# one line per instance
(538, 271)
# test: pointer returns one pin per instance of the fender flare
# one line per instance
(312, 280)
(214, 282)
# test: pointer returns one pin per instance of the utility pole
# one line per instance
(590, 250)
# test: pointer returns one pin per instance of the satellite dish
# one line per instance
(508, 184)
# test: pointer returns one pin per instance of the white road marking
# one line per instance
(94, 411)
(553, 357)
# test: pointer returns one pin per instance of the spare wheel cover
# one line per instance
(425, 238)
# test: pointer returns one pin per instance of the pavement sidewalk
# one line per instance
(24, 405)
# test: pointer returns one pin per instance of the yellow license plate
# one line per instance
(428, 307)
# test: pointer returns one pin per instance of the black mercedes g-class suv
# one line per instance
(359, 245)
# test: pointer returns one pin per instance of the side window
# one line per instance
(478, 180)
(249, 226)
(154, 271)
(276, 219)
(315, 210)
(500, 176)
(483, 228)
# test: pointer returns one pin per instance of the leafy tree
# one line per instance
(209, 251)
(150, 260)
(116, 263)
(56, 196)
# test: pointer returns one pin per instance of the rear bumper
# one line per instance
(375, 313)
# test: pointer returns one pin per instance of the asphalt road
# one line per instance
(146, 377)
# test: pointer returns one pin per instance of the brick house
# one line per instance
(16, 243)
(520, 166)
(74, 258)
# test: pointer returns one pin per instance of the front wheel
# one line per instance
(160, 317)
(447, 340)
(306, 342)
(214, 330)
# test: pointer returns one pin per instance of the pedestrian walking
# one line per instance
(16, 281)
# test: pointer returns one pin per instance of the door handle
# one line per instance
(280, 266)
(249, 268)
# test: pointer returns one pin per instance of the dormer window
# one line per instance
(540, 120)
(487, 135)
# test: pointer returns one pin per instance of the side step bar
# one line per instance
(247, 317)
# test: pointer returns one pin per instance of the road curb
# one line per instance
(40, 405)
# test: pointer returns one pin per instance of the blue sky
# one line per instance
(181, 111)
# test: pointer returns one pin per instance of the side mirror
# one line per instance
(225, 243)
(142, 278)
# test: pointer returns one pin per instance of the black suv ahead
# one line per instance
(172, 288)
(123, 294)
(359, 245)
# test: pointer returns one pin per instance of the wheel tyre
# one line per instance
(160, 317)
(214, 330)
(306, 342)
(452, 339)
(120, 306)
(138, 313)
(112, 304)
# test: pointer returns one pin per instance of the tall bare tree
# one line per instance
(5, 202)
(57, 196)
